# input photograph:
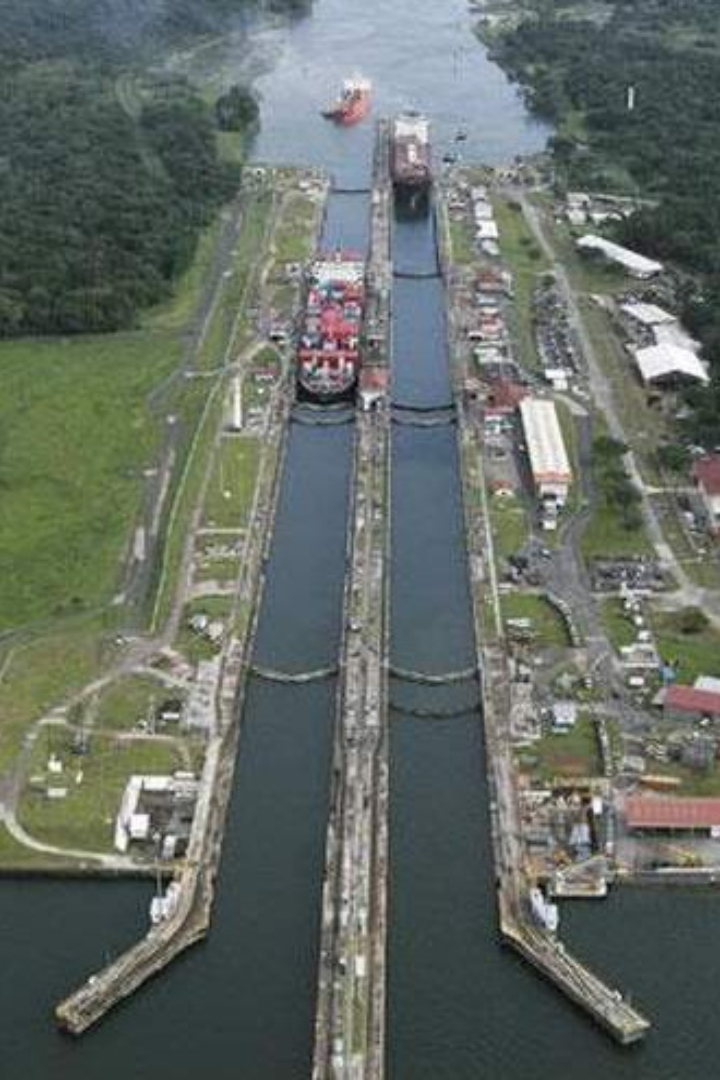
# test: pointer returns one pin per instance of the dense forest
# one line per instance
(101, 200)
(577, 71)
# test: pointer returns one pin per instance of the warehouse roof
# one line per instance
(546, 448)
(631, 260)
(647, 314)
(665, 361)
(666, 812)
(692, 699)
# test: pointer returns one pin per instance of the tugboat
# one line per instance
(544, 911)
(353, 104)
(328, 355)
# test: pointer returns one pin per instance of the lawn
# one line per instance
(95, 781)
(618, 625)
(294, 239)
(573, 754)
(232, 487)
(219, 338)
(691, 654)
(461, 240)
(527, 263)
(607, 537)
(129, 700)
(41, 673)
(509, 524)
(547, 624)
(76, 436)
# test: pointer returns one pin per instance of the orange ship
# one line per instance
(353, 104)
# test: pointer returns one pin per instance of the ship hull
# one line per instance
(328, 395)
(347, 115)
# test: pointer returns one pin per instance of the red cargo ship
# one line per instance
(353, 104)
(328, 358)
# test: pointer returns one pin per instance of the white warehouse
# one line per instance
(551, 472)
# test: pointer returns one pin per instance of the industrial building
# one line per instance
(664, 813)
(691, 702)
(636, 265)
(549, 463)
(669, 365)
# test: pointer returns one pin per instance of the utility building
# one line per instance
(549, 464)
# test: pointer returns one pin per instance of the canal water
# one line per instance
(241, 1006)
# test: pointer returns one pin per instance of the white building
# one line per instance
(487, 230)
(636, 265)
(649, 315)
(670, 364)
(549, 463)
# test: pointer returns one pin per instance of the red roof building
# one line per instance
(667, 812)
(688, 700)
(505, 395)
(706, 474)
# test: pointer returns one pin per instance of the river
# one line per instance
(241, 1006)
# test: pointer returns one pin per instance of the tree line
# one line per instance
(667, 147)
(101, 204)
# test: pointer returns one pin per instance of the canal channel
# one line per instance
(242, 1005)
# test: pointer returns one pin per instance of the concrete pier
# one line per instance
(517, 926)
(350, 1018)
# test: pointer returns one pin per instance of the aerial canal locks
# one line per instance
(348, 325)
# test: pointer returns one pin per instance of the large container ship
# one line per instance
(353, 104)
(410, 153)
(328, 356)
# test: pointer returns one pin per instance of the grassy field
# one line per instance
(40, 673)
(95, 782)
(463, 251)
(573, 754)
(232, 486)
(547, 624)
(691, 654)
(207, 411)
(76, 437)
(130, 700)
(510, 527)
(617, 625)
(527, 263)
(187, 494)
(607, 537)
(294, 240)
(219, 337)
(606, 534)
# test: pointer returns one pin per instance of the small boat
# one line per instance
(544, 911)
(163, 907)
(353, 104)
(461, 135)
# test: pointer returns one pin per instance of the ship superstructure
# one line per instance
(410, 153)
(328, 358)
